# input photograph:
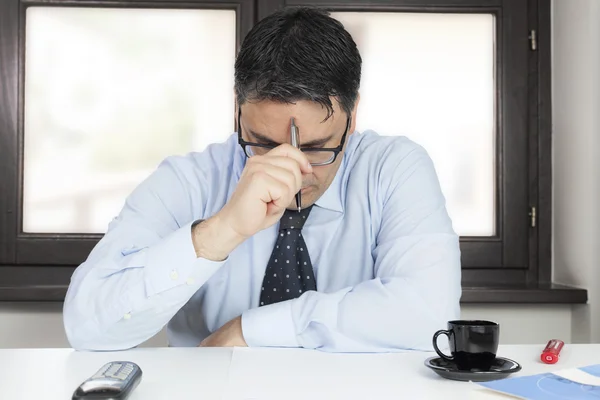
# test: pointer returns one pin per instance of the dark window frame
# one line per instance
(515, 261)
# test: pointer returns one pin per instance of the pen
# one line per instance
(296, 144)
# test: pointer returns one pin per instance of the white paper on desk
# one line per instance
(290, 374)
(305, 374)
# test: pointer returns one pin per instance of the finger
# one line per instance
(282, 176)
(285, 163)
(272, 190)
(285, 176)
(287, 150)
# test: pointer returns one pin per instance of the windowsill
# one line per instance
(33, 293)
(542, 294)
(538, 294)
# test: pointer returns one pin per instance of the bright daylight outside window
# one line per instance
(109, 93)
(431, 77)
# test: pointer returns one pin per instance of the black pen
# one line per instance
(296, 144)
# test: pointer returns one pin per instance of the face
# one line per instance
(268, 122)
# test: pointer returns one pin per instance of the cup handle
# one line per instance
(435, 346)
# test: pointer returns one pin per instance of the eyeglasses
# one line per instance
(316, 156)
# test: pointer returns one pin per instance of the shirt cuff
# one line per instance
(270, 326)
(173, 262)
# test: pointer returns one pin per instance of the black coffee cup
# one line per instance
(473, 344)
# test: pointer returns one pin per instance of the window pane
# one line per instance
(109, 93)
(430, 77)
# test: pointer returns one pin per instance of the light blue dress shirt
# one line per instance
(385, 256)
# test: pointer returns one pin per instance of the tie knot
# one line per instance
(292, 219)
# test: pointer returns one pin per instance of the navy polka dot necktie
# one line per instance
(289, 272)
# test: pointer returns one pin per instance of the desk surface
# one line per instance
(225, 373)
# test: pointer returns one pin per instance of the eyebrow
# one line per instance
(313, 143)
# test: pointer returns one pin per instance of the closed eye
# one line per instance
(258, 138)
(273, 144)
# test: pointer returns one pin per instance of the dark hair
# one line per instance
(299, 53)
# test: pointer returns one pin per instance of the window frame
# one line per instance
(38, 267)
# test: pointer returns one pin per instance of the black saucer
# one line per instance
(501, 368)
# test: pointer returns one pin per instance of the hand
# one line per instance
(229, 335)
(266, 188)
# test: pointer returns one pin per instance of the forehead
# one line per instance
(273, 119)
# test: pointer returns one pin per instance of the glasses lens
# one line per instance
(256, 151)
(314, 157)
(319, 157)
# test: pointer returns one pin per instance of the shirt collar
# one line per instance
(332, 198)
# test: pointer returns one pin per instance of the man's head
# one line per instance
(299, 63)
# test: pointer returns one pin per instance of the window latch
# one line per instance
(532, 216)
(533, 39)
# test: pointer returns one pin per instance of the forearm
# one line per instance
(389, 313)
(120, 298)
(122, 324)
(372, 317)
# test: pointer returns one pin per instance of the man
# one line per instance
(213, 246)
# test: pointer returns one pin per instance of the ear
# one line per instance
(353, 115)
(235, 110)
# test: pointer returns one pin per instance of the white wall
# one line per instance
(576, 144)
(576, 114)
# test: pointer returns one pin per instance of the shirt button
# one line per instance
(190, 281)
(174, 275)
(127, 316)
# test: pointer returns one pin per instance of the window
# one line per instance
(437, 82)
(113, 92)
(460, 77)
(82, 85)
(434, 82)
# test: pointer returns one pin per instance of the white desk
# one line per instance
(205, 374)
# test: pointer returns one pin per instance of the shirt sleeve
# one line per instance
(143, 270)
(416, 287)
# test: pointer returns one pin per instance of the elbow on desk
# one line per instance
(422, 328)
(87, 327)
(420, 316)
(82, 339)
(87, 336)
(85, 333)
(423, 336)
